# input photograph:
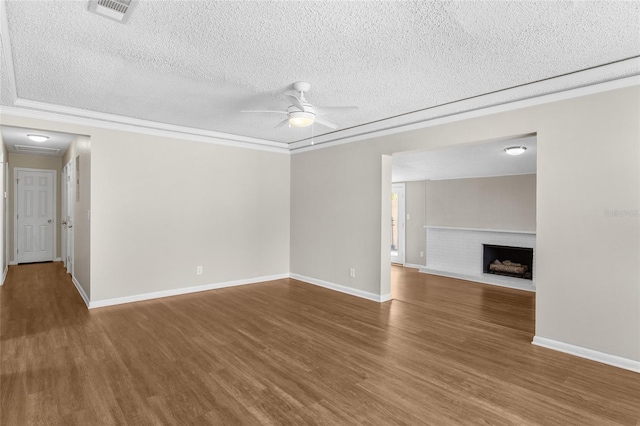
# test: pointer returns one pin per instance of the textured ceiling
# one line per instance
(5, 82)
(466, 161)
(198, 63)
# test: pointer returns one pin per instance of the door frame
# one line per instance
(54, 241)
(400, 188)
(69, 189)
(63, 214)
(6, 191)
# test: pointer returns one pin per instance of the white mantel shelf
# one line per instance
(481, 229)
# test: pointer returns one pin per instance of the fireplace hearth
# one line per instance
(510, 261)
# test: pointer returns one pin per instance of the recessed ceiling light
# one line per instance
(515, 150)
(38, 138)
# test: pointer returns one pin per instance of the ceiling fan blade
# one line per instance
(283, 122)
(334, 110)
(296, 102)
(325, 122)
(261, 110)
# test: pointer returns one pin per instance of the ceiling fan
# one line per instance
(302, 114)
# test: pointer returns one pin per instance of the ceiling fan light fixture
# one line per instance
(38, 138)
(301, 118)
(515, 150)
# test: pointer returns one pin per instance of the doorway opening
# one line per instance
(41, 196)
(35, 215)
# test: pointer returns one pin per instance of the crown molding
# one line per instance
(613, 76)
(76, 116)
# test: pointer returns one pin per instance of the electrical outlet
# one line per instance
(421, 254)
(198, 270)
(408, 216)
(352, 272)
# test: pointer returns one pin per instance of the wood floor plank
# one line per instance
(442, 352)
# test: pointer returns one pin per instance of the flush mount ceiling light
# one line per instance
(38, 138)
(515, 150)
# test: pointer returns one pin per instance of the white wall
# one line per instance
(161, 207)
(504, 202)
(588, 285)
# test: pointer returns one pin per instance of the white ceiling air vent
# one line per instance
(118, 10)
(37, 150)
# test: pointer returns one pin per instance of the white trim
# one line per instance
(304, 146)
(55, 113)
(124, 120)
(57, 259)
(4, 274)
(8, 56)
(81, 291)
(482, 229)
(401, 189)
(614, 360)
(469, 177)
(413, 265)
(342, 289)
(179, 291)
(499, 280)
(12, 262)
(7, 191)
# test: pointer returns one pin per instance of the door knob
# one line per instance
(49, 221)
(64, 222)
(70, 226)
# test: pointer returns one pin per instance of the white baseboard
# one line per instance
(343, 289)
(413, 265)
(179, 291)
(81, 291)
(57, 259)
(13, 262)
(616, 361)
(4, 274)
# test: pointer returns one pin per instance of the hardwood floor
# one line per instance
(443, 352)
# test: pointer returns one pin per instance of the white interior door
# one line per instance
(68, 220)
(35, 215)
(397, 223)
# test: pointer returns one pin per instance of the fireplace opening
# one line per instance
(510, 261)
